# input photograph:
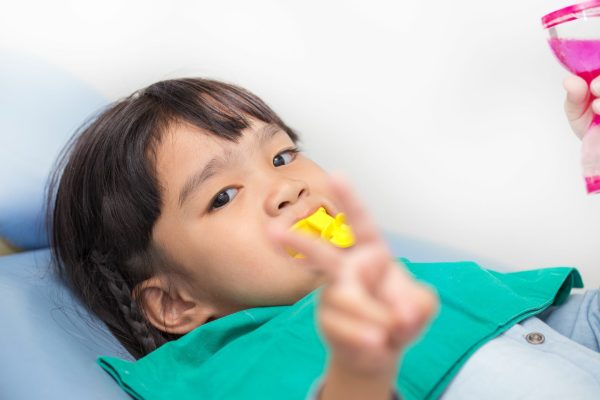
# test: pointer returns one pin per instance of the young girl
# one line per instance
(172, 212)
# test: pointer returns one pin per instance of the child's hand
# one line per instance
(580, 103)
(370, 308)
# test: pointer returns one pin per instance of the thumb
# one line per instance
(577, 99)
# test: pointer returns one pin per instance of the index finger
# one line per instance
(324, 257)
(595, 86)
(363, 226)
(577, 97)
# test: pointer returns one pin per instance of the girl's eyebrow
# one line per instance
(215, 165)
(218, 163)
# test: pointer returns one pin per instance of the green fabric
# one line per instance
(277, 352)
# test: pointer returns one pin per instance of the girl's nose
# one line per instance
(284, 193)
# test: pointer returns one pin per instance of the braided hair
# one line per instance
(104, 198)
(147, 337)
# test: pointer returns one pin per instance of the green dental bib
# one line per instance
(277, 352)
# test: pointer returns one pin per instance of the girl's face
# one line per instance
(218, 199)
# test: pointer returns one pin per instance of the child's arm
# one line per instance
(340, 383)
(369, 309)
(580, 106)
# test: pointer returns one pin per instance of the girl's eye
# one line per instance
(223, 198)
(285, 157)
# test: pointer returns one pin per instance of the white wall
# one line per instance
(447, 115)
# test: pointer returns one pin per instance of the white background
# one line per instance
(447, 115)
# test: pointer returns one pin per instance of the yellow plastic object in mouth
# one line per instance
(320, 223)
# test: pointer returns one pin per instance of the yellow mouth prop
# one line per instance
(334, 230)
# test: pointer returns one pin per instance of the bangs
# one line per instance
(219, 108)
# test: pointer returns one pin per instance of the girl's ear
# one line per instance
(170, 310)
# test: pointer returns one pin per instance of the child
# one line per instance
(172, 213)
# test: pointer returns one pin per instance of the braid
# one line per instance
(119, 288)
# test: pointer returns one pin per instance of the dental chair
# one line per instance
(48, 342)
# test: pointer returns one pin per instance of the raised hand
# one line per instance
(370, 307)
(581, 103)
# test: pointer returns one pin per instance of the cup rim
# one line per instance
(568, 13)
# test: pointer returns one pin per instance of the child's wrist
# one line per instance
(342, 381)
(378, 373)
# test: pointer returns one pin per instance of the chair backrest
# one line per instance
(49, 343)
(42, 106)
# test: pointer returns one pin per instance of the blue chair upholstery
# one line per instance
(43, 108)
(49, 342)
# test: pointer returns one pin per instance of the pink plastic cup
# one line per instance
(574, 37)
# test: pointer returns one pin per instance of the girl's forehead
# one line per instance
(184, 147)
(183, 142)
(189, 138)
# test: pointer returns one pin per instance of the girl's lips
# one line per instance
(310, 211)
(305, 213)
(331, 209)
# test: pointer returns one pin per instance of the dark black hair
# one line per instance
(104, 197)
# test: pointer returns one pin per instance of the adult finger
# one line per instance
(595, 86)
(577, 99)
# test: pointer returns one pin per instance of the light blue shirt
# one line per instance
(551, 356)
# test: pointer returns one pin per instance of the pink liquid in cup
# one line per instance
(582, 57)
